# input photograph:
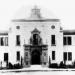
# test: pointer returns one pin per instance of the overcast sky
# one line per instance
(62, 9)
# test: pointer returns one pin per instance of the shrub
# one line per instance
(53, 65)
(10, 66)
(17, 66)
(62, 65)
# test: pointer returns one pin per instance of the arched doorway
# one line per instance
(35, 57)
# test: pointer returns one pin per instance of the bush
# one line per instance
(17, 66)
(62, 65)
(53, 65)
(10, 66)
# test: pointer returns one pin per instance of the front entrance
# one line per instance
(34, 51)
(35, 57)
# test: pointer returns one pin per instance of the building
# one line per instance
(36, 41)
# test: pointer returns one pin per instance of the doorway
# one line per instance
(35, 57)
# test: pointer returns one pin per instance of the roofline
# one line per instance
(41, 20)
(4, 32)
(68, 32)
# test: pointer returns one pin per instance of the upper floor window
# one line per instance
(67, 40)
(53, 40)
(18, 40)
(35, 39)
(2, 41)
(6, 41)
(53, 27)
(17, 27)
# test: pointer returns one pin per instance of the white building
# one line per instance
(36, 40)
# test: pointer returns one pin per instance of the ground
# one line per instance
(37, 70)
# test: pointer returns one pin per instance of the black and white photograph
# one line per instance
(37, 37)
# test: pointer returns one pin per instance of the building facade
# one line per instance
(36, 41)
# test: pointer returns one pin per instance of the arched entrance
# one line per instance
(35, 57)
(35, 49)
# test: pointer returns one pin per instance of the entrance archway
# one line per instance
(35, 57)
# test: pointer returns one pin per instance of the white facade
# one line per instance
(49, 30)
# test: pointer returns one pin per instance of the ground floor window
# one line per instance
(67, 56)
(53, 55)
(18, 56)
(27, 63)
(5, 56)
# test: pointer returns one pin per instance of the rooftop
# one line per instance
(36, 17)
(69, 32)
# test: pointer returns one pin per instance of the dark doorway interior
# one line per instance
(35, 57)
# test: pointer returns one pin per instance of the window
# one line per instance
(18, 40)
(5, 56)
(69, 56)
(26, 62)
(6, 41)
(18, 56)
(53, 55)
(35, 39)
(65, 56)
(44, 53)
(2, 42)
(67, 41)
(64, 41)
(26, 54)
(53, 27)
(53, 40)
(17, 27)
(44, 63)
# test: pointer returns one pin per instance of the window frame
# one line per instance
(69, 56)
(67, 40)
(53, 41)
(65, 56)
(18, 43)
(6, 57)
(18, 55)
(53, 55)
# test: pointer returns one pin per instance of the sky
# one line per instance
(62, 9)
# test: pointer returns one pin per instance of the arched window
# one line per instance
(35, 39)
